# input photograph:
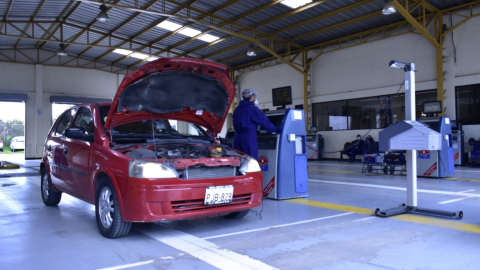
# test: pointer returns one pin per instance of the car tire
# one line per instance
(107, 211)
(236, 215)
(49, 196)
(13, 150)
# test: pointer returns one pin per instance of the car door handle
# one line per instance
(65, 150)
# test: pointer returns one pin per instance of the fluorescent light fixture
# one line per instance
(103, 16)
(189, 32)
(295, 3)
(389, 8)
(122, 51)
(208, 38)
(139, 55)
(171, 26)
(152, 58)
(61, 51)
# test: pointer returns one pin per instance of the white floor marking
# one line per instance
(454, 200)
(204, 250)
(470, 190)
(127, 265)
(363, 219)
(397, 188)
(276, 226)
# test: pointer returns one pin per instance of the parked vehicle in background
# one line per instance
(17, 143)
(1, 145)
(152, 154)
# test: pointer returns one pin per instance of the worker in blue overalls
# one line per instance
(245, 120)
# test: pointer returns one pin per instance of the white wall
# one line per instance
(40, 82)
(362, 71)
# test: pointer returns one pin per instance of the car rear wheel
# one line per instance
(236, 215)
(107, 212)
(49, 196)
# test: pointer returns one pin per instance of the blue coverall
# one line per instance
(245, 120)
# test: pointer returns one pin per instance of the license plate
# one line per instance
(219, 194)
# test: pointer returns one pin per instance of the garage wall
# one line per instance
(363, 71)
(40, 82)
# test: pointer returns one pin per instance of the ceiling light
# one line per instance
(139, 55)
(103, 16)
(251, 50)
(122, 51)
(152, 58)
(388, 8)
(169, 25)
(295, 3)
(189, 32)
(62, 51)
(208, 38)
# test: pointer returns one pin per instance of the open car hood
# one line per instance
(191, 90)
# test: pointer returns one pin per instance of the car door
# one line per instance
(78, 155)
(54, 148)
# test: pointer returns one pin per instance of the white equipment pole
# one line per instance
(410, 114)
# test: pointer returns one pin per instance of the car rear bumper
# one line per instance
(152, 200)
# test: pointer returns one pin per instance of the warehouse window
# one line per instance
(468, 107)
(331, 115)
(367, 112)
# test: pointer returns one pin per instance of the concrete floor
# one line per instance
(333, 229)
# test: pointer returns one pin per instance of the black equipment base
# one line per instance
(402, 209)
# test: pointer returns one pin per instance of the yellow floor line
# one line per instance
(318, 170)
(462, 179)
(409, 218)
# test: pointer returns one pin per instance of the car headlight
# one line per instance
(249, 165)
(149, 169)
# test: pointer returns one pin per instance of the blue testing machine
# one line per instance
(283, 157)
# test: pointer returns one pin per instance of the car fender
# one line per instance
(99, 170)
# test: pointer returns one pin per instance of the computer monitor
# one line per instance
(313, 129)
(430, 107)
(299, 106)
(282, 96)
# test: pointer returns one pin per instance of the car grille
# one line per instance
(212, 172)
(198, 205)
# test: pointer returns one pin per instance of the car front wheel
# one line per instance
(107, 212)
(49, 196)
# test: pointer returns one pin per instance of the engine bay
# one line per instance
(180, 151)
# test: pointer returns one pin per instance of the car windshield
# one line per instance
(160, 128)
(20, 139)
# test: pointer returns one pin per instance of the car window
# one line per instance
(84, 120)
(64, 122)
(21, 139)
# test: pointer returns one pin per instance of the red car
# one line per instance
(152, 153)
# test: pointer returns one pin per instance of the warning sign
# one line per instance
(456, 156)
(424, 154)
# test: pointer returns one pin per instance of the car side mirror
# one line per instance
(78, 133)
